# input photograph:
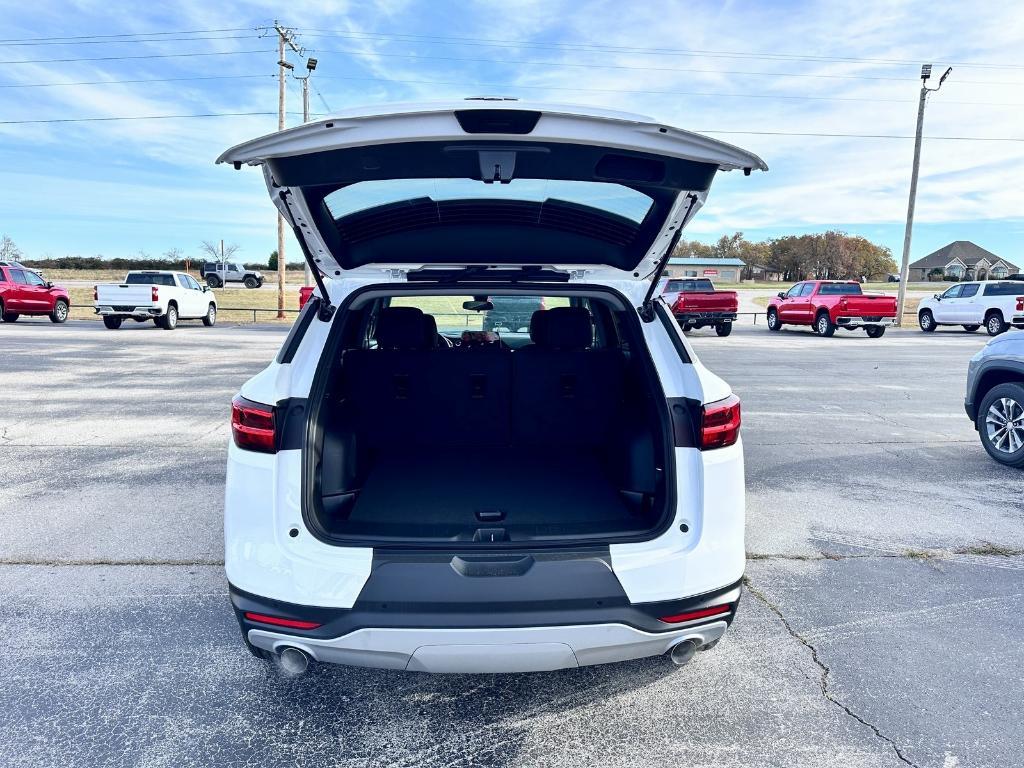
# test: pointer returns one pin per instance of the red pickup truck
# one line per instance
(829, 304)
(24, 292)
(695, 303)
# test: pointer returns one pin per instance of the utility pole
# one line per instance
(926, 73)
(285, 36)
(310, 66)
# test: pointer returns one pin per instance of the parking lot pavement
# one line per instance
(879, 627)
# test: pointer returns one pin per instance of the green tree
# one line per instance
(272, 261)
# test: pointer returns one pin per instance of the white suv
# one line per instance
(996, 304)
(414, 487)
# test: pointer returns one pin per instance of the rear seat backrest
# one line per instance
(564, 391)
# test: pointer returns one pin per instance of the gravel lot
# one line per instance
(878, 626)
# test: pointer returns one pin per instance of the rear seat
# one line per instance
(565, 391)
(559, 391)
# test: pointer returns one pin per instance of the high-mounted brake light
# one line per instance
(720, 425)
(701, 613)
(277, 621)
(155, 293)
(252, 425)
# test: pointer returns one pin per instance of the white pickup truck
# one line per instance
(161, 296)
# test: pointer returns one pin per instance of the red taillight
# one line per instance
(842, 303)
(1020, 303)
(252, 425)
(679, 618)
(277, 621)
(720, 425)
(155, 293)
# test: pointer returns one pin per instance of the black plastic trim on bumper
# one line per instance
(712, 317)
(439, 614)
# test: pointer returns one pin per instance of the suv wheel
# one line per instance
(823, 325)
(774, 324)
(1001, 424)
(170, 319)
(113, 323)
(926, 320)
(994, 324)
(251, 282)
(971, 328)
(211, 316)
(212, 281)
(60, 312)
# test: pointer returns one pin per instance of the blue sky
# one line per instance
(118, 187)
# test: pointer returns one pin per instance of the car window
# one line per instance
(149, 278)
(511, 314)
(18, 276)
(33, 279)
(840, 289)
(1003, 289)
(3, 277)
(953, 292)
(232, 267)
(968, 290)
(807, 290)
(192, 283)
(794, 291)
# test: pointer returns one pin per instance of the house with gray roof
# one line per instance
(962, 260)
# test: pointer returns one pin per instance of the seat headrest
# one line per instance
(401, 328)
(562, 328)
(430, 329)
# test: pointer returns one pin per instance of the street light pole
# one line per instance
(310, 66)
(926, 73)
(285, 36)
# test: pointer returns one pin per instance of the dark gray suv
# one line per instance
(995, 397)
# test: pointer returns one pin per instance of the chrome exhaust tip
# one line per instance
(682, 652)
(293, 661)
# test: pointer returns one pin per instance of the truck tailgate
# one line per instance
(111, 294)
(708, 301)
(868, 305)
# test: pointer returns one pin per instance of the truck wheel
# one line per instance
(113, 323)
(823, 325)
(7, 317)
(994, 323)
(686, 327)
(723, 329)
(251, 282)
(170, 319)
(1001, 424)
(971, 328)
(926, 321)
(60, 312)
(211, 316)
(774, 324)
(212, 281)
(875, 331)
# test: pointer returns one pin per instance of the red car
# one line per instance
(829, 304)
(695, 303)
(23, 292)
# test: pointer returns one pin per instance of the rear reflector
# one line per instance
(277, 621)
(252, 425)
(720, 425)
(701, 613)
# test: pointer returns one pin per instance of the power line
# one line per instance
(768, 96)
(595, 47)
(129, 34)
(139, 80)
(144, 56)
(594, 65)
(149, 40)
(715, 131)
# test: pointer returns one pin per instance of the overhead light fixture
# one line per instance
(310, 64)
(285, 64)
(926, 71)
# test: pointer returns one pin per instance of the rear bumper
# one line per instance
(856, 322)
(456, 637)
(126, 311)
(707, 318)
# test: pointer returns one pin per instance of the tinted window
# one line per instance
(690, 285)
(18, 276)
(3, 277)
(149, 278)
(795, 290)
(969, 290)
(807, 290)
(840, 289)
(1003, 289)
(953, 292)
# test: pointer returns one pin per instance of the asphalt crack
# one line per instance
(826, 672)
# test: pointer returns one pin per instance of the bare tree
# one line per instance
(8, 250)
(213, 249)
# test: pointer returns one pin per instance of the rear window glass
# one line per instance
(1004, 289)
(690, 285)
(606, 197)
(839, 289)
(142, 278)
(510, 316)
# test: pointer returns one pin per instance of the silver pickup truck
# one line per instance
(218, 275)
